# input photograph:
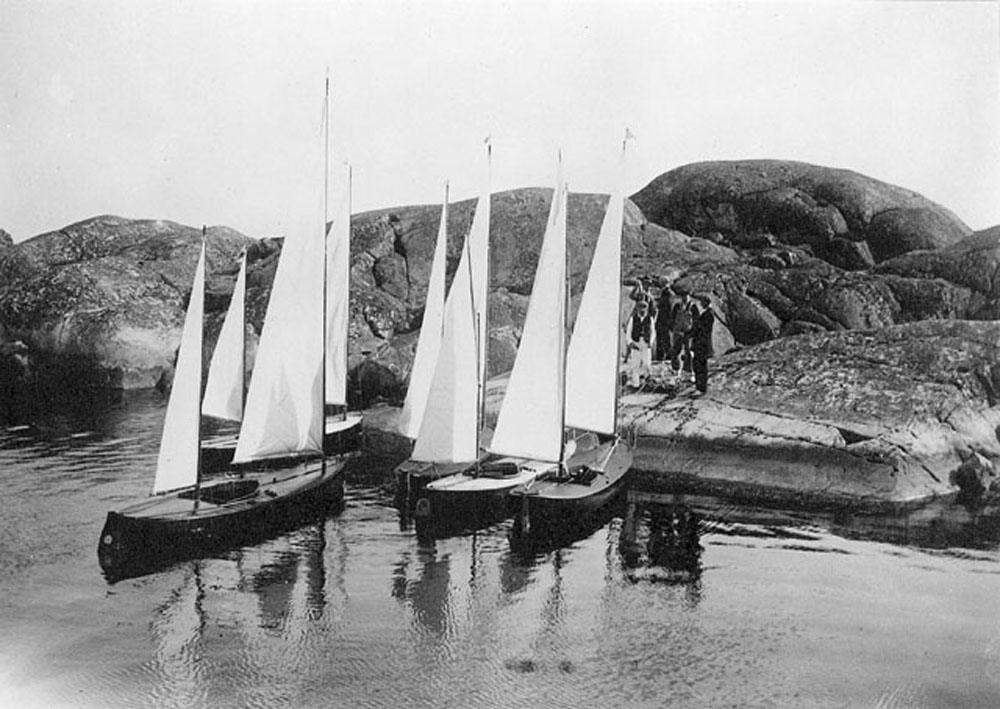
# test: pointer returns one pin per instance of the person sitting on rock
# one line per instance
(701, 343)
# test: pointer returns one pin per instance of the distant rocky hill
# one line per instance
(782, 248)
(845, 218)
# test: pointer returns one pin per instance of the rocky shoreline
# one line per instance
(838, 438)
(856, 337)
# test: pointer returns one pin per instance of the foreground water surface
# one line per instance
(707, 604)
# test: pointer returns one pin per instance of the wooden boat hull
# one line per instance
(154, 533)
(552, 500)
(442, 516)
(470, 496)
(340, 436)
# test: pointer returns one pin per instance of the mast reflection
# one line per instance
(429, 595)
(232, 608)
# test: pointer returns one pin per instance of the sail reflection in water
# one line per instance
(258, 617)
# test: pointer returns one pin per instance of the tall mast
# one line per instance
(346, 332)
(621, 268)
(326, 196)
(563, 207)
(484, 374)
(480, 388)
(197, 479)
(243, 339)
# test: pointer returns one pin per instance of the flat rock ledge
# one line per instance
(879, 419)
(708, 446)
(891, 417)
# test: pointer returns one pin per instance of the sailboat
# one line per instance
(285, 477)
(186, 517)
(595, 474)
(530, 427)
(226, 378)
(444, 407)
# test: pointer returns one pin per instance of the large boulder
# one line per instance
(845, 218)
(971, 263)
(101, 302)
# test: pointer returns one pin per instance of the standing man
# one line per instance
(682, 321)
(701, 343)
(640, 335)
(664, 324)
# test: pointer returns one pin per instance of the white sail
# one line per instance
(592, 358)
(479, 247)
(284, 408)
(429, 341)
(224, 389)
(530, 423)
(177, 465)
(338, 293)
(449, 431)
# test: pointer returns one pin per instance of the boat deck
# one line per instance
(493, 476)
(590, 473)
(270, 484)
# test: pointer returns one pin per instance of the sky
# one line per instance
(210, 111)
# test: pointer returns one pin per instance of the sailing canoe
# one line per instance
(592, 381)
(444, 407)
(528, 439)
(188, 517)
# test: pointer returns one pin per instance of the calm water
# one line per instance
(707, 604)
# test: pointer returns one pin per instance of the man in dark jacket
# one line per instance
(701, 343)
(664, 324)
(681, 323)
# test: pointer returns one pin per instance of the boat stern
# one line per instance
(116, 546)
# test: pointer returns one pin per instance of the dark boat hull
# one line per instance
(438, 514)
(553, 501)
(151, 535)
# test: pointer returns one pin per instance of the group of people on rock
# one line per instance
(674, 327)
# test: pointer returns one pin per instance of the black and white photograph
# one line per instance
(500, 354)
